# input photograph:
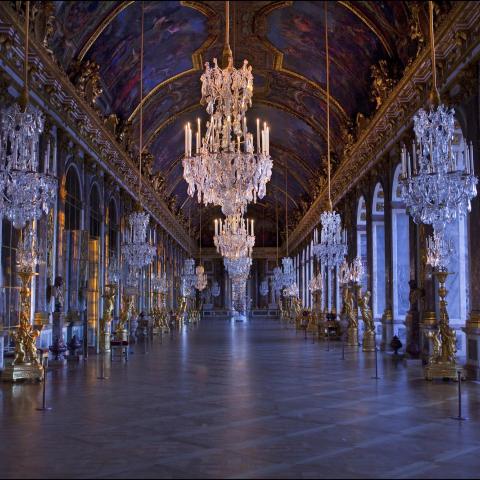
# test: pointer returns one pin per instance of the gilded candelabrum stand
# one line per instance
(105, 325)
(350, 312)
(26, 365)
(160, 315)
(442, 362)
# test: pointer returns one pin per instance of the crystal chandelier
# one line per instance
(160, 283)
(113, 271)
(344, 273)
(291, 290)
(288, 274)
(188, 278)
(226, 168)
(356, 270)
(438, 184)
(27, 252)
(133, 277)
(277, 279)
(239, 295)
(234, 238)
(333, 244)
(215, 289)
(136, 250)
(238, 268)
(316, 283)
(200, 278)
(25, 192)
(264, 288)
(439, 251)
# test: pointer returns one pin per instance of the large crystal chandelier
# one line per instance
(439, 251)
(226, 168)
(27, 252)
(356, 270)
(234, 238)
(25, 192)
(288, 273)
(188, 278)
(438, 183)
(333, 243)
(344, 273)
(238, 268)
(277, 279)
(137, 251)
(113, 271)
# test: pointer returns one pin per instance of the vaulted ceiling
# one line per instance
(284, 41)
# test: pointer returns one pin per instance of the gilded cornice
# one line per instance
(394, 116)
(51, 85)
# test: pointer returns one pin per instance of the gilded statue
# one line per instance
(86, 77)
(382, 83)
(367, 315)
(43, 19)
(349, 304)
(182, 306)
(416, 34)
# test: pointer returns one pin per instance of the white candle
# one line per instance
(252, 228)
(258, 137)
(186, 147)
(268, 140)
(472, 169)
(216, 227)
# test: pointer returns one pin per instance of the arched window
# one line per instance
(73, 201)
(362, 238)
(378, 239)
(401, 255)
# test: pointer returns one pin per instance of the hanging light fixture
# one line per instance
(277, 271)
(288, 273)
(25, 192)
(137, 251)
(356, 270)
(201, 281)
(226, 168)
(439, 251)
(238, 270)
(264, 288)
(332, 248)
(234, 238)
(438, 183)
(160, 283)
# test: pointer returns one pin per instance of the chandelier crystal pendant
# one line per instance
(25, 192)
(439, 251)
(137, 251)
(438, 183)
(239, 295)
(226, 168)
(332, 248)
(356, 270)
(113, 271)
(277, 279)
(234, 238)
(27, 251)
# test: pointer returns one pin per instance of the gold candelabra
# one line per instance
(368, 343)
(26, 365)
(442, 361)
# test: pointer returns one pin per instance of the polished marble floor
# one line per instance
(240, 400)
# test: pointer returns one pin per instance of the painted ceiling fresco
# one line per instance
(284, 41)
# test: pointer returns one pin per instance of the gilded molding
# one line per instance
(50, 84)
(394, 116)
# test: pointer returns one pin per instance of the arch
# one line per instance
(362, 237)
(361, 211)
(396, 186)
(73, 199)
(378, 204)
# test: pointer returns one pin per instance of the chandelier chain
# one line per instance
(327, 60)
(142, 41)
(27, 45)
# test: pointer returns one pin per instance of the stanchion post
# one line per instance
(328, 340)
(44, 407)
(376, 377)
(459, 417)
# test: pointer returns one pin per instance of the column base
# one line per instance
(22, 373)
(442, 371)
(352, 337)
(368, 344)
